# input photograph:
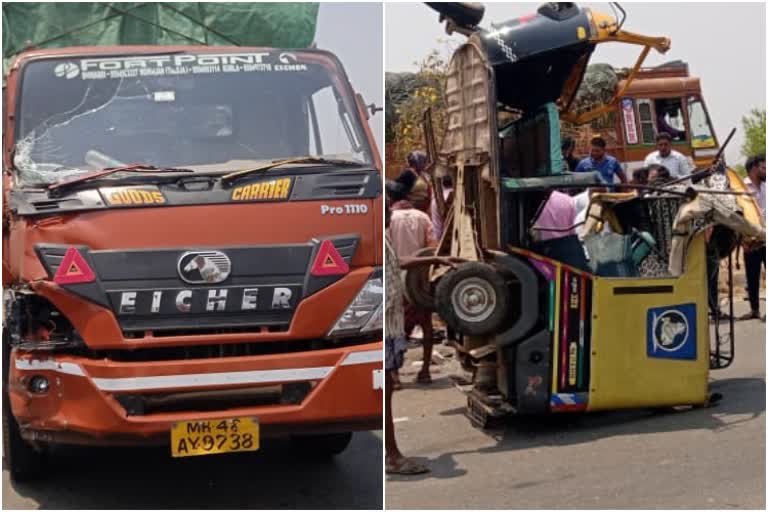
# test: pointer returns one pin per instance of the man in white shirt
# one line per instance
(754, 255)
(678, 164)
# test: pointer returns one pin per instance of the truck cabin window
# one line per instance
(210, 118)
(701, 129)
(645, 116)
(670, 119)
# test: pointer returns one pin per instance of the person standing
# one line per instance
(395, 346)
(567, 147)
(420, 194)
(754, 254)
(409, 231)
(678, 164)
(605, 164)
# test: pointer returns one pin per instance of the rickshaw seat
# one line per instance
(653, 214)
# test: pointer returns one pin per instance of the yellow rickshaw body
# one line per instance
(623, 375)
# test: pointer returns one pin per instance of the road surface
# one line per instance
(147, 478)
(703, 458)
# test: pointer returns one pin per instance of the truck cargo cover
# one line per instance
(57, 25)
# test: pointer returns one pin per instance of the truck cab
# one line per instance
(664, 98)
(191, 242)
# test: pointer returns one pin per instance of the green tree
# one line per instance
(408, 96)
(753, 125)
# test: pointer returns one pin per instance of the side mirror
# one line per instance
(369, 110)
(373, 108)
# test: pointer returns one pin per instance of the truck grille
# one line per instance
(223, 350)
(142, 404)
(205, 332)
(201, 290)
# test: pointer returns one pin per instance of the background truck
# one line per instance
(661, 98)
(191, 233)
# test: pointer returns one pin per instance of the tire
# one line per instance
(464, 13)
(24, 462)
(478, 282)
(321, 446)
(418, 290)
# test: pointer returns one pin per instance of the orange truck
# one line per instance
(192, 251)
(662, 98)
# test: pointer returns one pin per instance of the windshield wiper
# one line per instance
(233, 176)
(58, 187)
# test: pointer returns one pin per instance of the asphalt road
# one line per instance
(147, 478)
(701, 458)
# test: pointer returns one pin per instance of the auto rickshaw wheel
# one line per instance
(473, 299)
(418, 289)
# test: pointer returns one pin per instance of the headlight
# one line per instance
(365, 313)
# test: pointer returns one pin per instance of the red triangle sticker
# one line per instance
(74, 269)
(328, 261)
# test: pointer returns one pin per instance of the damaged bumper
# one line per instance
(87, 401)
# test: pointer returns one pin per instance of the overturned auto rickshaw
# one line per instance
(618, 320)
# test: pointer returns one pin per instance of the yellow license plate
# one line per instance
(208, 437)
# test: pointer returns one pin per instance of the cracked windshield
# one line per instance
(210, 113)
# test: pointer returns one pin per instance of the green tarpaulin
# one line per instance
(61, 24)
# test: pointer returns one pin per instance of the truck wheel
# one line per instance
(321, 445)
(418, 289)
(24, 462)
(473, 299)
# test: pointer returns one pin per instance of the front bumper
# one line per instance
(81, 404)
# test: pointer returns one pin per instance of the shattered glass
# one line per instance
(211, 121)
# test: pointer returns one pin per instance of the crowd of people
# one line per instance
(661, 166)
(414, 225)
